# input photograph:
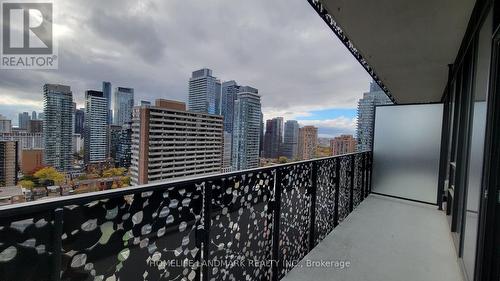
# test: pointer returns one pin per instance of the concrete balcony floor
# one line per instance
(385, 239)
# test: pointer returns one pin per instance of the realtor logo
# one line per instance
(27, 35)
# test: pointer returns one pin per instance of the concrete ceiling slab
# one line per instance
(408, 43)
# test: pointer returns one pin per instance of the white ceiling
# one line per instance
(409, 43)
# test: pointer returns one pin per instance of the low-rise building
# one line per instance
(31, 160)
(343, 144)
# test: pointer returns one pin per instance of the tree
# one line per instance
(27, 184)
(49, 174)
(282, 160)
(82, 177)
(114, 172)
(125, 181)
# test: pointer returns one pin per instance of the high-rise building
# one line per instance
(106, 92)
(79, 121)
(96, 128)
(169, 142)
(308, 142)
(41, 116)
(26, 140)
(291, 140)
(124, 153)
(5, 124)
(343, 144)
(204, 92)
(246, 131)
(35, 126)
(273, 138)
(8, 163)
(145, 102)
(73, 112)
(226, 155)
(229, 90)
(114, 136)
(261, 139)
(77, 143)
(57, 126)
(123, 102)
(366, 115)
(34, 115)
(24, 119)
(229, 93)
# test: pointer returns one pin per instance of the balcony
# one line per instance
(250, 225)
(384, 239)
(270, 223)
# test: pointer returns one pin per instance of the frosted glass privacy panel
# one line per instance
(406, 151)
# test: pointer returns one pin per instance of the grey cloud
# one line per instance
(133, 32)
(281, 47)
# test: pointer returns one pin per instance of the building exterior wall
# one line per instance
(26, 140)
(24, 119)
(229, 91)
(77, 143)
(246, 131)
(366, 115)
(204, 92)
(308, 142)
(176, 105)
(31, 160)
(58, 126)
(168, 143)
(273, 138)
(8, 163)
(96, 128)
(35, 126)
(123, 102)
(124, 153)
(291, 140)
(5, 125)
(343, 144)
(106, 92)
(140, 145)
(227, 152)
(114, 137)
(79, 121)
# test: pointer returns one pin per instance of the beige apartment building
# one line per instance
(343, 144)
(308, 142)
(169, 142)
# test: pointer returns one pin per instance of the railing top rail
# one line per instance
(57, 202)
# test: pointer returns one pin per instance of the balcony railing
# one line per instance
(249, 225)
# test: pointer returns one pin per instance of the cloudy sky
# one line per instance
(281, 47)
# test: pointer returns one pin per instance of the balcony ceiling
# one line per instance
(408, 43)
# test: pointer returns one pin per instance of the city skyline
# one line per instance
(161, 69)
(331, 122)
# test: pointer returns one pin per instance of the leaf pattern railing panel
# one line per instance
(296, 182)
(240, 233)
(179, 230)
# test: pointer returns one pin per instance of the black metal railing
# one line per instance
(249, 225)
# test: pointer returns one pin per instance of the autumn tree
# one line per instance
(114, 172)
(49, 174)
(27, 184)
(282, 160)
